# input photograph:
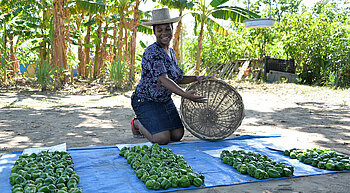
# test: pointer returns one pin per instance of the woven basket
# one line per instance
(218, 118)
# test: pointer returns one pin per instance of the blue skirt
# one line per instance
(156, 117)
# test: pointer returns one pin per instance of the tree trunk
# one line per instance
(59, 31)
(104, 47)
(97, 64)
(120, 42)
(115, 43)
(4, 59)
(135, 23)
(81, 56)
(87, 51)
(199, 50)
(126, 55)
(176, 40)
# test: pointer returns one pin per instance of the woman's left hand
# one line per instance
(200, 79)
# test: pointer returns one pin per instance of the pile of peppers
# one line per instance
(321, 158)
(160, 168)
(256, 165)
(44, 172)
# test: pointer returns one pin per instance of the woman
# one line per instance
(157, 118)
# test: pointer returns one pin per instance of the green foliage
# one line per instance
(45, 74)
(320, 45)
(117, 72)
(318, 40)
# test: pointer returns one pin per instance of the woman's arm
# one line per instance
(189, 79)
(165, 81)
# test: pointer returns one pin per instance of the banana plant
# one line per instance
(205, 15)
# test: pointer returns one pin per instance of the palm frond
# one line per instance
(235, 14)
(216, 27)
(145, 30)
(91, 6)
(216, 3)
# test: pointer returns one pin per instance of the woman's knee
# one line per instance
(162, 138)
(177, 134)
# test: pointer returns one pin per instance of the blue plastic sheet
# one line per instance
(102, 170)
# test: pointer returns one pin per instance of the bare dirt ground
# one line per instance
(91, 115)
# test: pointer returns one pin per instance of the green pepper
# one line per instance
(225, 160)
(243, 169)
(60, 185)
(321, 165)
(197, 182)
(191, 176)
(259, 174)
(315, 163)
(266, 175)
(13, 177)
(52, 187)
(30, 189)
(149, 184)
(280, 170)
(20, 179)
(139, 173)
(63, 179)
(273, 173)
(174, 181)
(144, 177)
(17, 189)
(72, 183)
(154, 177)
(287, 172)
(347, 166)
(160, 179)
(165, 184)
(340, 166)
(184, 182)
(156, 185)
(330, 166)
(76, 190)
(286, 152)
(292, 155)
(44, 189)
(308, 161)
(15, 169)
(76, 177)
(49, 180)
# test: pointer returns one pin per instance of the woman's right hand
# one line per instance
(191, 95)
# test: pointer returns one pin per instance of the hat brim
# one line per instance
(171, 20)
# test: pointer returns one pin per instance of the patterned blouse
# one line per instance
(156, 62)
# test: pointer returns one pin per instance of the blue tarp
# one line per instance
(23, 69)
(102, 170)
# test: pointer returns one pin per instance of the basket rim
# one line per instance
(212, 138)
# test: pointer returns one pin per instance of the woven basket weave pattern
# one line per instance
(218, 118)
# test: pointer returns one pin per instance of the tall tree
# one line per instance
(204, 16)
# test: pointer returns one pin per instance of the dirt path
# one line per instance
(92, 116)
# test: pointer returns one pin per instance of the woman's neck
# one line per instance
(166, 47)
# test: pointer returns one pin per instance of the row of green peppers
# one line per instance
(160, 168)
(256, 165)
(320, 158)
(44, 172)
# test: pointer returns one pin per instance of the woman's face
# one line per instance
(164, 34)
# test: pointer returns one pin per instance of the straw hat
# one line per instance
(161, 16)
